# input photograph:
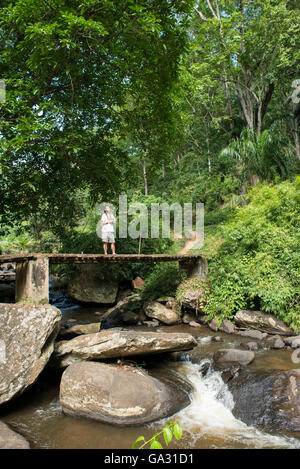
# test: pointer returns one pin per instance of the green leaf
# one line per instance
(140, 438)
(177, 430)
(155, 445)
(168, 435)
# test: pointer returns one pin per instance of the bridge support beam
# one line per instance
(32, 281)
(195, 268)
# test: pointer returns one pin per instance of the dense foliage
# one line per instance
(70, 67)
(257, 266)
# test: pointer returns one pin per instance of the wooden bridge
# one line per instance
(32, 270)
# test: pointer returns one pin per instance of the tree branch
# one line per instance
(200, 14)
(211, 9)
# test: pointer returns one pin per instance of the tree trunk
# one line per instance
(295, 127)
(145, 177)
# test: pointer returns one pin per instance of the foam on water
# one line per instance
(209, 416)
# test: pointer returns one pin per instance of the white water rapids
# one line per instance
(209, 416)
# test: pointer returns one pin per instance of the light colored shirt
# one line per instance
(109, 227)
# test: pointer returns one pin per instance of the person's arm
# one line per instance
(104, 220)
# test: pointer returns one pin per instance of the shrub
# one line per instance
(257, 265)
(162, 281)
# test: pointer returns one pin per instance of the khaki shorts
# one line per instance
(108, 237)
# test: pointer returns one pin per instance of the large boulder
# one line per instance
(156, 310)
(27, 334)
(126, 311)
(86, 286)
(271, 400)
(119, 395)
(233, 356)
(115, 343)
(262, 321)
(191, 295)
(10, 439)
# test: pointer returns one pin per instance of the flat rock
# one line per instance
(262, 321)
(27, 335)
(242, 357)
(115, 343)
(253, 334)
(118, 395)
(156, 310)
(80, 329)
(10, 439)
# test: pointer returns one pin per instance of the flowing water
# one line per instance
(208, 422)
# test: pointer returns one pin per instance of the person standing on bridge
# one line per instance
(108, 230)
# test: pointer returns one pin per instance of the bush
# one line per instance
(216, 217)
(257, 266)
(162, 281)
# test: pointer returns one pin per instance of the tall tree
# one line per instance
(69, 65)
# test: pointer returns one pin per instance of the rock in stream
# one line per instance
(115, 343)
(270, 399)
(119, 395)
(27, 335)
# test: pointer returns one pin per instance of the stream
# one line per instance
(208, 422)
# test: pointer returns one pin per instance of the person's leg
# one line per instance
(111, 240)
(105, 248)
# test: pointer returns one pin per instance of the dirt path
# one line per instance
(190, 243)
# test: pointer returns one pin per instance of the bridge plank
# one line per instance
(58, 258)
